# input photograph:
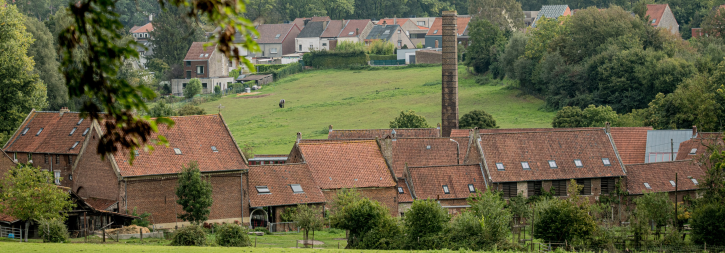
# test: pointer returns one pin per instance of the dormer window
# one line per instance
(578, 163)
(693, 151)
(39, 131)
(606, 162)
(86, 131)
(25, 131)
(72, 131)
(400, 190)
(525, 166)
(499, 166)
(445, 189)
(262, 189)
(296, 188)
(471, 189)
(177, 151)
(135, 152)
(552, 164)
(213, 148)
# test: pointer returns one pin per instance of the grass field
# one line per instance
(363, 99)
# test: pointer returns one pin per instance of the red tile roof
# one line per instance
(7, 218)
(198, 53)
(655, 12)
(428, 181)
(538, 148)
(142, 29)
(100, 204)
(333, 29)
(461, 22)
(352, 25)
(700, 144)
(268, 33)
(56, 136)
(658, 176)
(346, 164)
(278, 179)
(300, 22)
(335, 134)
(390, 21)
(427, 152)
(405, 197)
(194, 136)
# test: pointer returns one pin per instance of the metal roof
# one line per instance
(665, 141)
(550, 11)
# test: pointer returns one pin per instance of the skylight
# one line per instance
(206, 55)
(400, 190)
(213, 148)
(75, 144)
(201, 55)
(79, 122)
(606, 162)
(25, 131)
(471, 188)
(694, 181)
(135, 152)
(578, 163)
(445, 189)
(673, 183)
(386, 32)
(647, 186)
(41, 130)
(525, 165)
(350, 33)
(177, 151)
(552, 164)
(427, 147)
(435, 32)
(262, 189)
(72, 131)
(86, 131)
(277, 37)
(693, 151)
(499, 166)
(296, 188)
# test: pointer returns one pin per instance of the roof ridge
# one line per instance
(433, 166)
(280, 165)
(675, 161)
(543, 132)
(327, 141)
(383, 129)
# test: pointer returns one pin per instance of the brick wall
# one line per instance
(192, 68)
(93, 176)
(39, 160)
(386, 196)
(428, 56)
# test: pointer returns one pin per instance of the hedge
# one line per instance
(268, 67)
(288, 69)
(330, 59)
(375, 57)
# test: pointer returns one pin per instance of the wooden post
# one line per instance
(533, 217)
(313, 238)
(104, 235)
(118, 234)
(140, 231)
(677, 223)
(255, 242)
(85, 228)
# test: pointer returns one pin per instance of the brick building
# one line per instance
(207, 64)
(663, 177)
(51, 141)
(661, 16)
(450, 185)
(148, 184)
(700, 147)
(340, 164)
(6, 163)
(278, 187)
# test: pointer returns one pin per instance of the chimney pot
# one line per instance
(606, 127)
(694, 131)
(330, 130)
(63, 110)
(357, 31)
(299, 136)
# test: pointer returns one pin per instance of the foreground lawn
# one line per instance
(364, 99)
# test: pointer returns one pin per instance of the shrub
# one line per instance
(391, 57)
(190, 109)
(144, 221)
(308, 218)
(192, 88)
(53, 230)
(465, 231)
(388, 235)
(217, 90)
(359, 217)
(330, 59)
(161, 109)
(191, 235)
(478, 118)
(708, 224)
(232, 235)
(423, 223)
(263, 229)
(564, 221)
(489, 207)
(349, 46)
(289, 69)
(408, 119)
(382, 47)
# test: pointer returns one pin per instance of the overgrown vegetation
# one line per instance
(232, 235)
(53, 230)
(192, 235)
(408, 119)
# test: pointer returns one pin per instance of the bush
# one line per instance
(349, 46)
(408, 119)
(329, 59)
(423, 223)
(190, 109)
(388, 235)
(144, 221)
(708, 224)
(192, 88)
(465, 231)
(564, 221)
(232, 235)
(53, 230)
(489, 207)
(191, 235)
(360, 217)
(288, 69)
(263, 229)
(161, 109)
(382, 47)
(265, 68)
(478, 118)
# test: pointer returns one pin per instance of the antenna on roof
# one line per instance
(220, 107)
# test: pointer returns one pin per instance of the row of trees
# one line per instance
(473, 119)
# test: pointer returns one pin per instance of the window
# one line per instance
(525, 166)
(606, 162)
(184, 84)
(188, 76)
(177, 151)
(199, 70)
(57, 177)
(559, 187)
(350, 33)
(509, 190)
(654, 20)
(201, 55)
(300, 48)
(445, 189)
(135, 152)
(435, 32)
(296, 188)
(75, 144)
(646, 185)
(188, 63)
(206, 55)
(70, 160)
(15, 156)
(693, 151)
(578, 163)
(204, 85)
(608, 185)
(262, 189)
(694, 181)
(213, 148)
(471, 189)
(86, 131)
(273, 50)
(398, 31)
(673, 183)
(25, 131)
(421, 23)
(79, 122)
(400, 190)
(427, 147)
(400, 43)
(39, 131)
(72, 131)
(57, 159)
(46, 158)
(499, 166)
(30, 157)
(586, 186)
(386, 32)
(533, 188)
(324, 44)
(552, 164)
(277, 37)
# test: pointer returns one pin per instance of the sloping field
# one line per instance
(350, 99)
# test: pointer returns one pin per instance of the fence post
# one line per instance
(255, 242)
(104, 235)
(140, 231)
(118, 234)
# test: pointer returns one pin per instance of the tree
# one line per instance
(563, 221)
(359, 217)
(20, 89)
(656, 207)
(162, 109)
(158, 66)
(592, 116)
(174, 35)
(568, 117)
(308, 218)
(136, 12)
(488, 207)
(292, 9)
(46, 63)
(339, 9)
(259, 10)
(423, 223)
(189, 109)
(343, 198)
(514, 50)
(708, 224)
(40, 8)
(487, 41)
(192, 88)
(477, 118)
(712, 24)
(546, 30)
(408, 119)
(26, 195)
(194, 194)
(504, 14)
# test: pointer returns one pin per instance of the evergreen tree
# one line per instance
(194, 194)
(173, 34)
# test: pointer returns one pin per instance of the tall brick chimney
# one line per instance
(450, 73)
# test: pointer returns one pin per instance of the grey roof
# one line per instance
(658, 141)
(382, 32)
(312, 30)
(550, 11)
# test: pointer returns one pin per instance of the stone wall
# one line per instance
(428, 57)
